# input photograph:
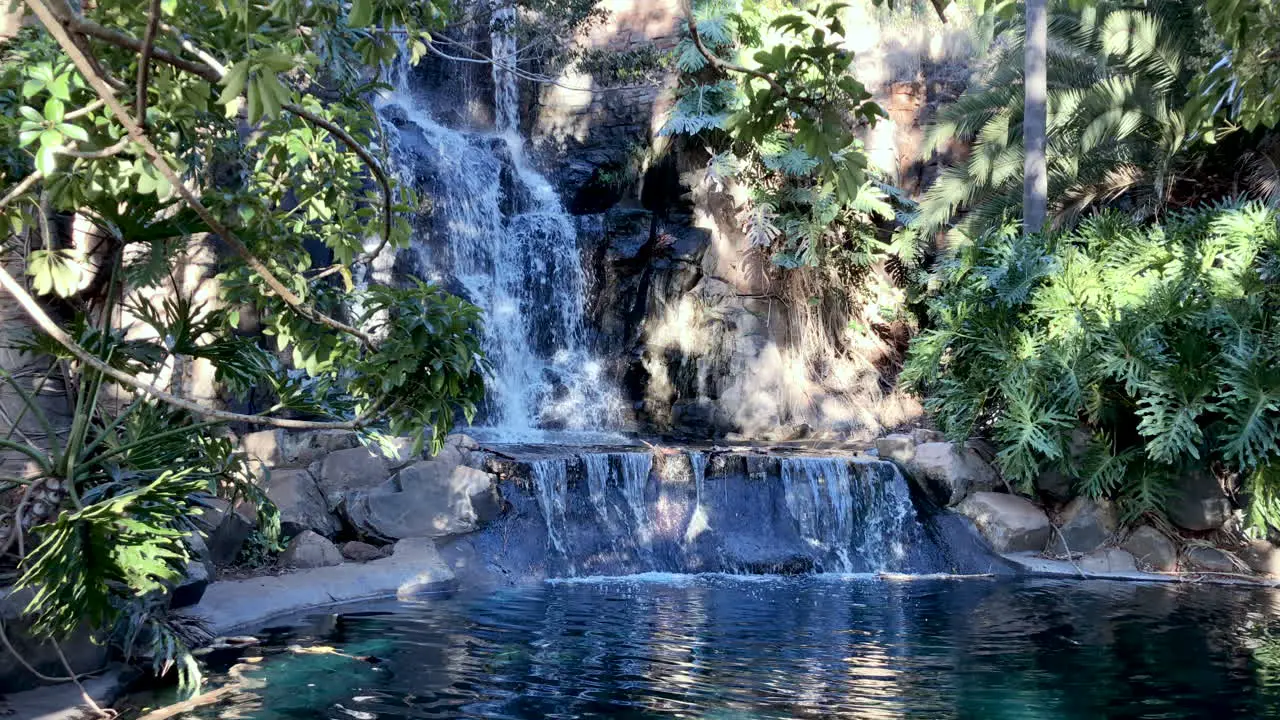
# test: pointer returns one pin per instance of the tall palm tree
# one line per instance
(1035, 184)
(1115, 81)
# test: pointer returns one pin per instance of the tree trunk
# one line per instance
(1035, 190)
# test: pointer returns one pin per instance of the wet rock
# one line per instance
(1083, 526)
(898, 448)
(432, 498)
(347, 470)
(1153, 549)
(1008, 522)
(1198, 502)
(302, 506)
(1203, 558)
(310, 550)
(1108, 560)
(283, 449)
(1262, 557)
(947, 473)
(357, 551)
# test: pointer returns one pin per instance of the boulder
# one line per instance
(302, 506)
(1108, 560)
(947, 473)
(225, 529)
(195, 581)
(1082, 527)
(310, 550)
(83, 651)
(346, 470)
(357, 551)
(924, 435)
(199, 573)
(431, 498)
(1262, 557)
(1010, 523)
(1203, 558)
(898, 448)
(1153, 549)
(1198, 502)
(1054, 486)
(283, 449)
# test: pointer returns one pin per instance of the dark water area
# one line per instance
(720, 647)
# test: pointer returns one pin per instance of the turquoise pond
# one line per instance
(672, 646)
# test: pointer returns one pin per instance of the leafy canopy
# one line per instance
(1157, 342)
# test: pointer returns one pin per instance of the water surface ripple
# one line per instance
(819, 647)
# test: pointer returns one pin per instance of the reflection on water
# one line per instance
(818, 647)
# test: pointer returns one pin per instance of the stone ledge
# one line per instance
(1033, 563)
(63, 701)
(233, 605)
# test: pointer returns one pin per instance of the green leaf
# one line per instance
(74, 132)
(47, 158)
(54, 110)
(361, 13)
(233, 83)
(55, 271)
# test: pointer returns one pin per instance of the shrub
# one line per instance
(1162, 340)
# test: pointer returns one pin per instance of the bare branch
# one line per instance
(144, 62)
(119, 39)
(23, 186)
(158, 161)
(106, 152)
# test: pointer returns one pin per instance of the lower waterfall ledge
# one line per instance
(415, 567)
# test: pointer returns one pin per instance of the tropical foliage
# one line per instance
(153, 130)
(1118, 85)
(1160, 340)
(769, 92)
(1138, 93)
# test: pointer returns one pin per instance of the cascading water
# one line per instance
(496, 232)
(792, 514)
(853, 510)
(506, 95)
(551, 484)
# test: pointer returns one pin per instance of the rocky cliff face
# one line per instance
(706, 335)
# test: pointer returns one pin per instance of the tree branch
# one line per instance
(369, 160)
(47, 324)
(83, 64)
(716, 62)
(144, 62)
(22, 186)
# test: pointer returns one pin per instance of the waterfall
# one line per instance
(698, 466)
(596, 469)
(862, 519)
(551, 486)
(744, 513)
(629, 473)
(494, 230)
(506, 93)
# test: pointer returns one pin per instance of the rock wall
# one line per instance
(708, 336)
